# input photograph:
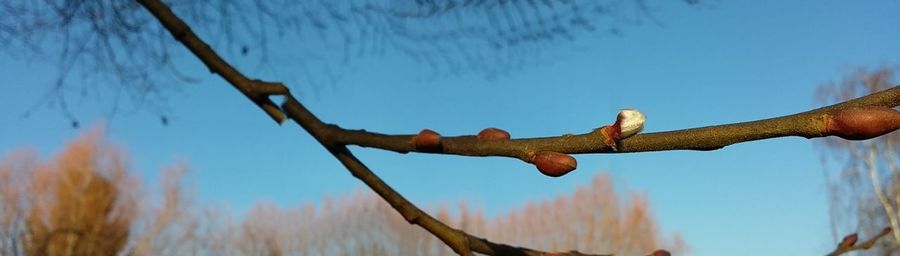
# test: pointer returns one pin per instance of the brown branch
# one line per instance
(848, 244)
(254, 89)
(461, 242)
(809, 124)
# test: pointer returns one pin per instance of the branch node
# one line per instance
(263, 88)
(259, 91)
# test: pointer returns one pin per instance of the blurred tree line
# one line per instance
(86, 201)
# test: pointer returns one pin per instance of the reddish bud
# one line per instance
(611, 135)
(427, 140)
(862, 123)
(849, 240)
(628, 122)
(660, 252)
(553, 164)
(493, 134)
(557, 254)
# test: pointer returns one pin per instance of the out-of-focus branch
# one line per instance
(872, 168)
(848, 244)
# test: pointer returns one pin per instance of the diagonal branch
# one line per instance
(461, 242)
(258, 91)
(809, 124)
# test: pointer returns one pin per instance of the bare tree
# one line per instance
(593, 218)
(80, 204)
(84, 202)
(14, 171)
(864, 193)
(172, 226)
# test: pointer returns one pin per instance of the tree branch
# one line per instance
(254, 89)
(808, 124)
(461, 242)
(848, 244)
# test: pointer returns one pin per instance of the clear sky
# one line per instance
(734, 61)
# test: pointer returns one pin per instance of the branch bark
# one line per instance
(461, 242)
(335, 139)
(809, 124)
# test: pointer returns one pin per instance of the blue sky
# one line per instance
(734, 61)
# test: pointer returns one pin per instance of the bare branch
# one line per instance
(809, 124)
(806, 124)
(848, 244)
(459, 241)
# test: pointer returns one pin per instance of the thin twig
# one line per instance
(848, 244)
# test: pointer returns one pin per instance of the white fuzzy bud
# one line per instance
(630, 121)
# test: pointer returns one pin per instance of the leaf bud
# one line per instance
(628, 122)
(427, 140)
(862, 123)
(553, 164)
(493, 134)
(849, 240)
(660, 252)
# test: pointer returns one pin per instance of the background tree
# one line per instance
(79, 204)
(87, 202)
(593, 218)
(864, 192)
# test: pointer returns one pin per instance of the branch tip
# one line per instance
(849, 242)
(262, 88)
(861, 123)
